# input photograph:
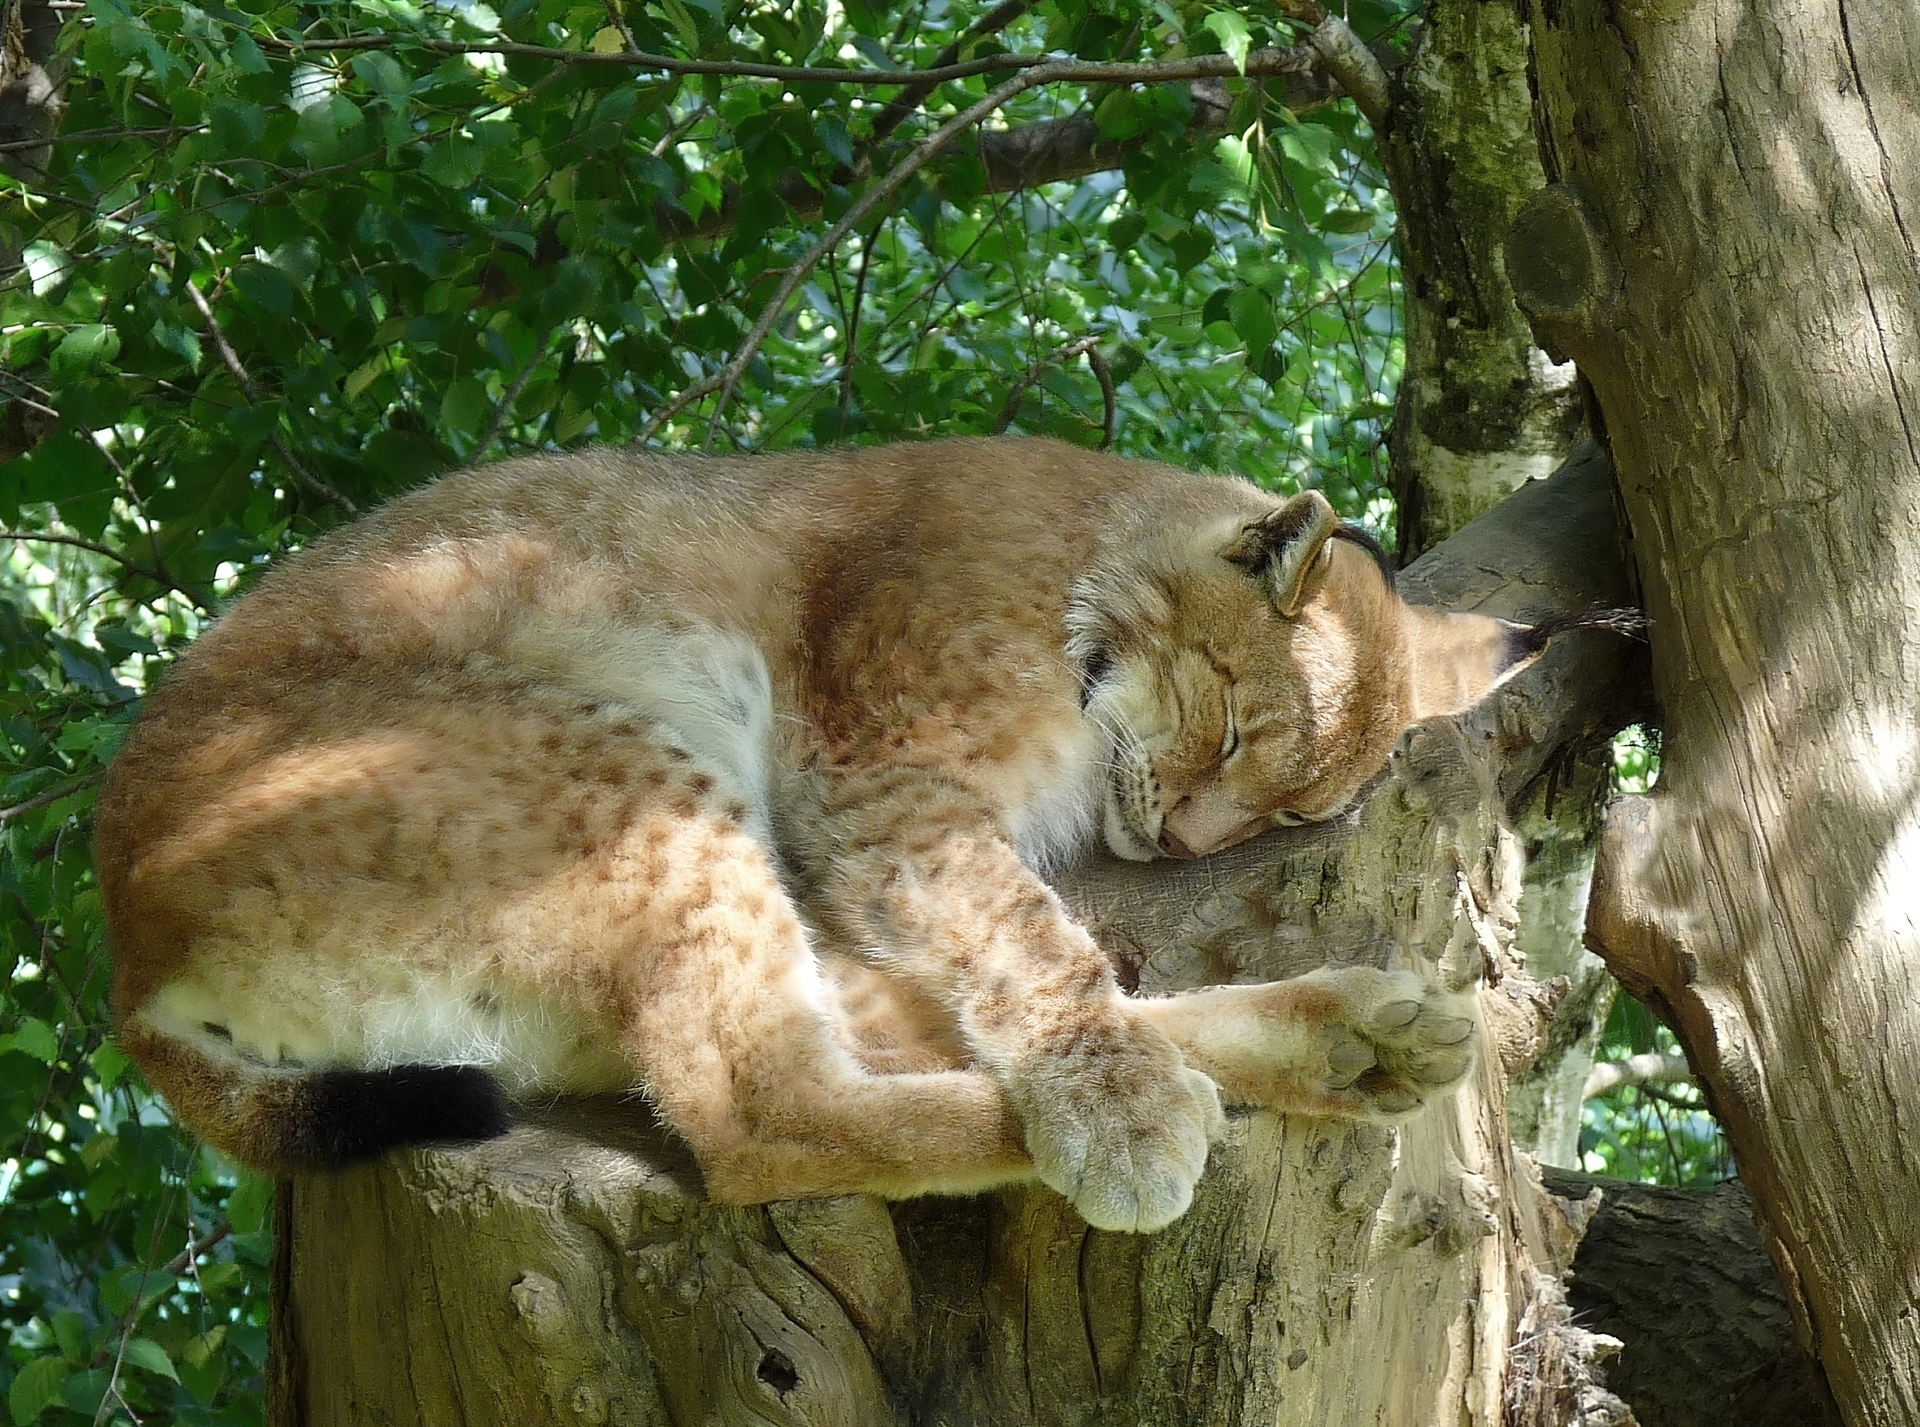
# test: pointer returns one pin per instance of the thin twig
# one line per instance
(620, 23)
(49, 796)
(183, 1260)
(503, 411)
(302, 477)
(1088, 347)
(853, 322)
(911, 98)
(48, 538)
(724, 380)
(81, 136)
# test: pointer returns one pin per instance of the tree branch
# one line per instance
(1649, 1069)
(910, 99)
(1088, 347)
(49, 796)
(1051, 151)
(1261, 64)
(48, 538)
(1348, 59)
(728, 376)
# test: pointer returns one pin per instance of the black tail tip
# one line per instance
(355, 1115)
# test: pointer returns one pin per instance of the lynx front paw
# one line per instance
(1120, 1127)
(1393, 1043)
(1347, 1041)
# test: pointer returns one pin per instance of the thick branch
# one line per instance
(1052, 151)
(1652, 1068)
(1680, 1276)
(1260, 64)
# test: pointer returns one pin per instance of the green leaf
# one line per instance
(145, 1353)
(1231, 31)
(250, 1204)
(454, 162)
(37, 1387)
(84, 351)
(33, 1037)
(464, 406)
(110, 1063)
(382, 74)
(1251, 312)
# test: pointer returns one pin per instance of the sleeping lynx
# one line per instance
(730, 780)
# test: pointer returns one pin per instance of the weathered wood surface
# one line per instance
(1731, 252)
(1681, 1277)
(1327, 1274)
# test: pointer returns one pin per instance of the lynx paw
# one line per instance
(1396, 1042)
(1120, 1130)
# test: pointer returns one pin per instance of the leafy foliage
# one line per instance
(258, 283)
(1658, 1134)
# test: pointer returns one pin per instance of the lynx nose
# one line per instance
(1171, 844)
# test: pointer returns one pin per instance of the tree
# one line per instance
(280, 261)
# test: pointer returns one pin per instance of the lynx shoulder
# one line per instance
(732, 782)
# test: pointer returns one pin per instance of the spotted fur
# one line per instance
(731, 782)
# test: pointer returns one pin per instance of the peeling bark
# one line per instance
(574, 1267)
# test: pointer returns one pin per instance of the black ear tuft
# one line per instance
(1099, 664)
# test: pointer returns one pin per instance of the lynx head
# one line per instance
(1253, 673)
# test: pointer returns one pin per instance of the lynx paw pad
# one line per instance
(1400, 1042)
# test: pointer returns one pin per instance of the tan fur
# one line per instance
(730, 781)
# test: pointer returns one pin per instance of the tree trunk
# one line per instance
(1729, 253)
(1481, 411)
(572, 1273)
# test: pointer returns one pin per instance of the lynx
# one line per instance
(731, 782)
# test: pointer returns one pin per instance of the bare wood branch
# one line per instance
(183, 1260)
(1652, 1068)
(48, 797)
(503, 412)
(302, 477)
(1260, 64)
(45, 537)
(1088, 347)
(1348, 59)
(80, 136)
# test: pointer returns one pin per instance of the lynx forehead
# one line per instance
(731, 781)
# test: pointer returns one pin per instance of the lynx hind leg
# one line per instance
(735, 1027)
(1349, 1042)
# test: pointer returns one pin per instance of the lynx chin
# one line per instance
(732, 781)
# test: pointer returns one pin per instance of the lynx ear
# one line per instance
(1287, 550)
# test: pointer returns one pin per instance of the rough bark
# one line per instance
(1729, 252)
(1482, 410)
(1681, 1278)
(572, 1273)
(33, 81)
